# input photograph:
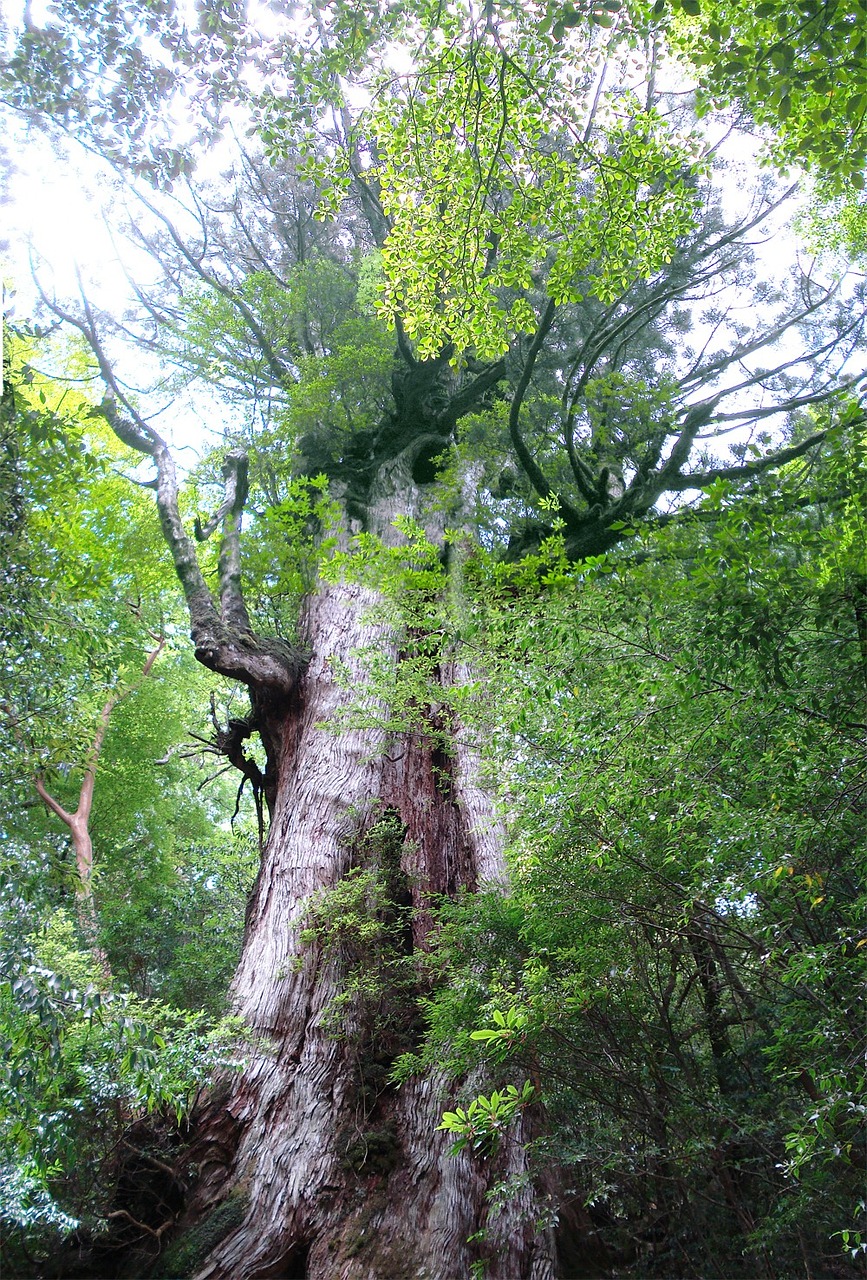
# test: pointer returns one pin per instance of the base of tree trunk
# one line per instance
(389, 1202)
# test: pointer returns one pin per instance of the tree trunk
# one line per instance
(341, 1175)
(78, 821)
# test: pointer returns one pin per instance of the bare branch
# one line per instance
(223, 638)
(282, 372)
(700, 479)
(232, 606)
(142, 1226)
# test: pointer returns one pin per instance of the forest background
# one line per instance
(516, 768)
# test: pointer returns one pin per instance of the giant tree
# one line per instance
(545, 250)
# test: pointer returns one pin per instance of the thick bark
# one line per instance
(345, 1176)
(312, 1164)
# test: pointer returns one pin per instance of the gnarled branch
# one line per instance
(223, 637)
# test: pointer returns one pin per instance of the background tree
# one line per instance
(84, 581)
(85, 1058)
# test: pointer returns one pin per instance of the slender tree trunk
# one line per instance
(78, 821)
(343, 1176)
(85, 903)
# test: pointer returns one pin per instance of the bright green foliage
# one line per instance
(492, 179)
(799, 68)
(507, 1028)
(313, 401)
(349, 912)
(214, 342)
(84, 580)
(837, 223)
(263, 331)
(481, 1125)
(501, 172)
(341, 393)
(285, 545)
(78, 1066)
(89, 571)
(677, 731)
(172, 904)
(86, 584)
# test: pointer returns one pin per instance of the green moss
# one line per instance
(185, 1255)
(359, 1234)
(373, 1151)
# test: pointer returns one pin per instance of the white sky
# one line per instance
(57, 219)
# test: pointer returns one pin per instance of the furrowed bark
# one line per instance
(317, 1165)
(345, 1176)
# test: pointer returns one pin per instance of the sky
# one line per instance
(62, 220)
(61, 224)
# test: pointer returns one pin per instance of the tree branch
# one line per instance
(232, 607)
(533, 471)
(52, 804)
(700, 479)
(466, 400)
(223, 639)
(280, 371)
